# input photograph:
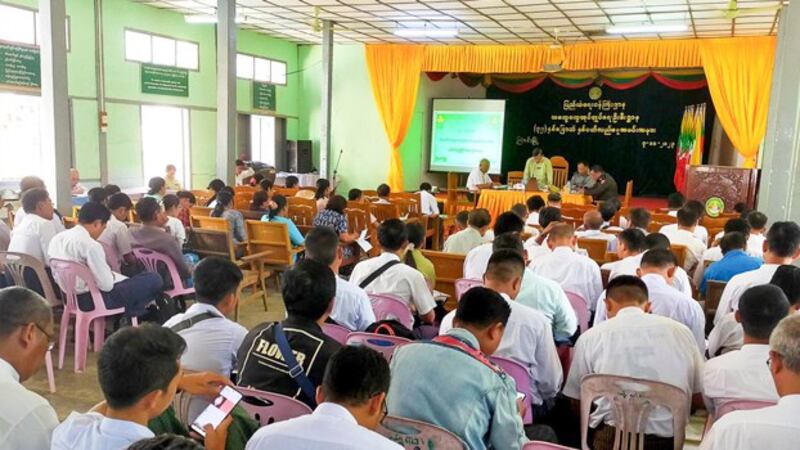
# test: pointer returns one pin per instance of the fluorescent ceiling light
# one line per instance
(446, 30)
(206, 18)
(649, 28)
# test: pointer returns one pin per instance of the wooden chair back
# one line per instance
(249, 214)
(560, 171)
(301, 215)
(596, 248)
(286, 192)
(357, 220)
(626, 201)
(385, 212)
(300, 201)
(242, 200)
(202, 196)
(680, 252)
(245, 190)
(514, 177)
(713, 295)
(211, 242)
(449, 268)
(409, 207)
(714, 222)
(362, 206)
(272, 237)
(211, 223)
(200, 211)
(663, 218)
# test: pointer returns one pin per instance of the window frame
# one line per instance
(36, 41)
(150, 35)
(270, 61)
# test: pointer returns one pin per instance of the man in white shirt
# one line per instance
(592, 221)
(775, 427)
(635, 344)
(758, 233)
(32, 236)
(386, 274)
(535, 203)
(639, 218)
(76, 188)
(528, 338)
(576, 273)
(472, 236)
(26, 329)
(139, 374)
(683, 234)
(479, 179)
(116, 234)
(782, 247)
(352, 308)
(31, 182)
(428, 204)
(478, 258)
(80, 244)
(631, 245)
(352, 403)
(537, 246)
(742, 374)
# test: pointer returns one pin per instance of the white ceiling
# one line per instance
(488, 21)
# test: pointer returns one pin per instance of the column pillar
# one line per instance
(327, 87)
(226, 89)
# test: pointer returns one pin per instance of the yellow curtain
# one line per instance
(394, 72)
(739, 73)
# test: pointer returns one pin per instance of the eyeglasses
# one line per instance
(49, 337)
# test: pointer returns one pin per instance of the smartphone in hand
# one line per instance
(218, 410)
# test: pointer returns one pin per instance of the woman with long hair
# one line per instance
(224, 208)
(279, 214)
(414, 257)
(323, 193)
(215, 186)
(260, 202)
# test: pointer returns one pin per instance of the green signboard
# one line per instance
(19, 66)
(264, 96)
(165, 80)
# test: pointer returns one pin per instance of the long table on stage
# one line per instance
(498, 202)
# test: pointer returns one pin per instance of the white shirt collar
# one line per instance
(389, 256)
(630, 311)
(200, 308)
(562, 249)
(8, 371)
(759, 349)
(115, 427)
(335, 410)
(82, 232)
(654, 278)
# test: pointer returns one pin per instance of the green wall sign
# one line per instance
(264, 96)
(20, 66)
(163, 80)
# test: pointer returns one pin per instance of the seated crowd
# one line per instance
(536, 301)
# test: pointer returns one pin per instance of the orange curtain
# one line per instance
(394, 71)
(739, 73)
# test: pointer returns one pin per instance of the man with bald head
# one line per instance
(592, 223)
(27, 183)
(479, 177)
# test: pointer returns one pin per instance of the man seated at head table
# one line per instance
(581, 179)
(605, 187)
(538, 167)
(479, 177)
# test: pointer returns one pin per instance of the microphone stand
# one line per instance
(336, 169)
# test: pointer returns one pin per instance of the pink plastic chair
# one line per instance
(631, 401)
(387, 307)
(269, 407)
(730, 405)
(151, 258)
(67, 273)
(337, 332)
(522, 378)
(465, 284)
(383, 344)
(540, 445)
(417, 435)
(112, 258)
(581, 311)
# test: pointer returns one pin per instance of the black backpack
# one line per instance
(162, 309)
(391, 328)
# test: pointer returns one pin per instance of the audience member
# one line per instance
(604, 188)
(462, 219)
(186, 200)
(352, 404)
(608, 210)
(116, 235)
(355, 195)
(98, 195)
(520, 210)
(575, 272)
(640, 219)
(680, 280)
(684, 234)
(79, 244)
(260, 202)
(537, 246)
(153, 236)
(429, 206)
(112, 189)
(243, 173)
(352, 308)
(273, 350)
(635, 344)
(450, 382)
(758, 233)
(592, 222)
(166, 442)
(32, 236)
(323, 193)
(31, 182)
(554, 200)
(385, 274)
(631, 246)
(76, 188)
(170, 182)
(383, 194)
(174, 225)
(224, 208)
(216, 185)
(333, 216)
(734, 261)
(476, 260)
(156, 188)
(737, 225)
(279, 214)
(534, 204)
(700, 232)
(291, 182)
(26, 334)
(675, 201)
(472, 236)
(776, 427)
(414, 256)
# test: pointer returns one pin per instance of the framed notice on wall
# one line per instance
(264, 96)
(20, 66)
(163, 80)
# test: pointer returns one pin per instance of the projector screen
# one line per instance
(464, 131)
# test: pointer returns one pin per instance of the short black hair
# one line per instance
(508, 241)
(266, 184)
(392, 234)
(119, 200)
(687, 217)
(582, 161)
(548, 215)
(737, 225)
(479, 218)
(757, 220)
(675, 200)
(136, 361)
(657, 240)
(787, 277)
(627, 288)
(482, 307)
(384, 190)
(32, 197)
(783, 239)
(97, 194)
(659, 258)
(170, 201)
(534, 203)
(537, 151)
(416, 234)
(425, 186)
(224, 199)
(216, 184)
(597, 168)
(634, 240)
(521, 211)
(291, 181)
(740, 207)
(354, 194)
(112, 189)
(147, 208)
(462, 217)
(257, 203)
(607, 210)
(280, 204)
(554, 197)
(732, 241)
(166, 442)
(504, 265)
(697, 207)
(337, 203)
(308, 289)
(321, 245)
(187, 195)
(92, 212)
(215, 278)
(156, 184)
(20, 306)
(640, 218)
(761, 308)
(354, 375)
(508, 222)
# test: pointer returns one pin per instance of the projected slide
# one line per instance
(465, 131)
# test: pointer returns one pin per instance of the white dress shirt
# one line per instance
(773, 428)
(700, 232)
(26, 419)
(429, 206)
(755, 243)
(176, 229)
(727, 335)
(117, 236)
(477, 260)
(695, 246)
(547, 297)
(57, 223)
(533, 219)
(527, 339)
(329, 427)
(575, 273)
(463, 241)
(476, 177)
(93, 431)
(629, 264)
(740, 283)
(739, 375)
(405, 282)
(597, 234)
(77, 245)
(352, 308)
(32, 236)
(638, 345)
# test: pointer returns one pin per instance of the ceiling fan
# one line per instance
(556, 47)
(732, 12)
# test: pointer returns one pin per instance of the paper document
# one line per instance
(363, 242)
